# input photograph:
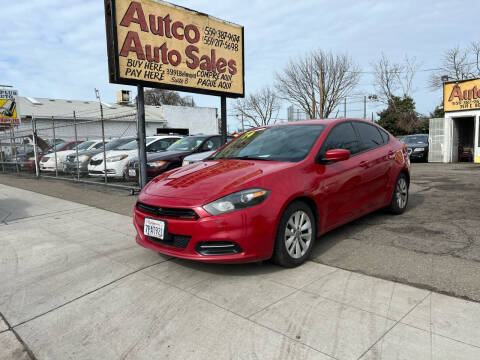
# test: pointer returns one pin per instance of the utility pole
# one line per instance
(223, 113)
(320, 91)
(365, 107)
(345, 107)
(243, 126)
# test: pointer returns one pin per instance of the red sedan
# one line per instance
(273, 191)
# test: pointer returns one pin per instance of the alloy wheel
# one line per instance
(402, 193)
(298, 234)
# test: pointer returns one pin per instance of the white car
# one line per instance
(118, 159)
(48, 161)
(197, 157)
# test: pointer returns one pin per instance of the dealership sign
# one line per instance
(461, 95)
(8, 107)
(156, 44)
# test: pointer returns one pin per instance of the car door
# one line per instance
(339, 182)
(375, 164)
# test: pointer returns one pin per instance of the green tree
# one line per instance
(438, 112)
(400, 117)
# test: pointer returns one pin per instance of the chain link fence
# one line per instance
(78, 148)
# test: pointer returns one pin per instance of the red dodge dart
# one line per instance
(271, 192)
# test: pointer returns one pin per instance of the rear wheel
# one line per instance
(295, 235)
(399, 201)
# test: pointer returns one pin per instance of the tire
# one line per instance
(294, 250)
(399, 201)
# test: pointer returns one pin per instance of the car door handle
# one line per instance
(364, 163)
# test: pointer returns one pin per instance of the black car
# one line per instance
(417, 146)
(174, 155)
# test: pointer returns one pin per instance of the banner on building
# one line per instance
(156, 44)
(461, 95)
(8, 107)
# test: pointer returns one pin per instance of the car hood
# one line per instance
(200, 156)
(417, 145)
(112, 153)
(166, 155)
(209, 180)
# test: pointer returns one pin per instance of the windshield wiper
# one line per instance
(248, 157)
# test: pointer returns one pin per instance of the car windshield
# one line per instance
(114, 144)
(187, 144)
(132, 145)
(280, 143)
(85, 145)
(417, 139)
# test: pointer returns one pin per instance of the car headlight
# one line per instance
(156, 163)
(237, 201)
(82, 158)
(419, 149)
(117, 158)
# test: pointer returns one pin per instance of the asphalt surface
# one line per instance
(434, 245)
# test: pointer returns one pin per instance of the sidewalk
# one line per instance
(74, 284)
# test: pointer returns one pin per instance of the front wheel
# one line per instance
(399, 201)
(295, 235)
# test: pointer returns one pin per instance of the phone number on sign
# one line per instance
(209, 40)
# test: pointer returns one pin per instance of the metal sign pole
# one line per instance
(15, 148)
(35, 153)
(76, 142)
(54, 146)
(103, 139)
(223, 113)
(142, 151)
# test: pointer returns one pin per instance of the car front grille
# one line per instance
(168, 212)
(71, 158)
(176, 241)
(96, 162)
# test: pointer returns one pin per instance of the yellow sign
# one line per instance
(461, 95)
(161, 45)
(8, 107)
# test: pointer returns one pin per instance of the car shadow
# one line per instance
(13, 209)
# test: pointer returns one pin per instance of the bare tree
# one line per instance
(158, 97)
(260, 108)
(318, 82)
(393, 79)
(457, 64)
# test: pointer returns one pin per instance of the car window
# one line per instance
(71, 146)
(369, 134)
(98, 146)
(160, 145)
(342, 136)
(213, 143)
(114, 144)
(385, 136)
(189, 143)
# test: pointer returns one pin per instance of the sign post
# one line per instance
(142, 152)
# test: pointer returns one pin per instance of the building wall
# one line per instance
(449, 155)
(200, 120)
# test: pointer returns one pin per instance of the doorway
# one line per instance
(463, 136)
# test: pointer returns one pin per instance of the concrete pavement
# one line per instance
(74, 285)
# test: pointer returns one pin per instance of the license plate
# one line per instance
(154, 228)
(132, 172)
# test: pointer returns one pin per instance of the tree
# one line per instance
(158, 97)
(400, 117)
(457, 64)
(260, 108)
(438, 112)
(318, 78)
(393, 80)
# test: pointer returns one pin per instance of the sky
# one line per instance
(57, 48)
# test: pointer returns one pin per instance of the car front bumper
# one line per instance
(252, 231)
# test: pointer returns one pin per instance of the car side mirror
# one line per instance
(336, 155)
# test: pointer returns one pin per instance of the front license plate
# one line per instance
(132, 172)
(154, 228)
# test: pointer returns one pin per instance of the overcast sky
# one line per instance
(56, 48)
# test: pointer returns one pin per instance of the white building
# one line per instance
(120, 119)
(456, 137)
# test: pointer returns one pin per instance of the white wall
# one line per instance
(197, 119)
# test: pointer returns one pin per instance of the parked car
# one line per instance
(62, 155)
(174, 155)
(272, 191)
(118, 159)
(85, 156)
(47, 162)
(417, 146)
(190, 159)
